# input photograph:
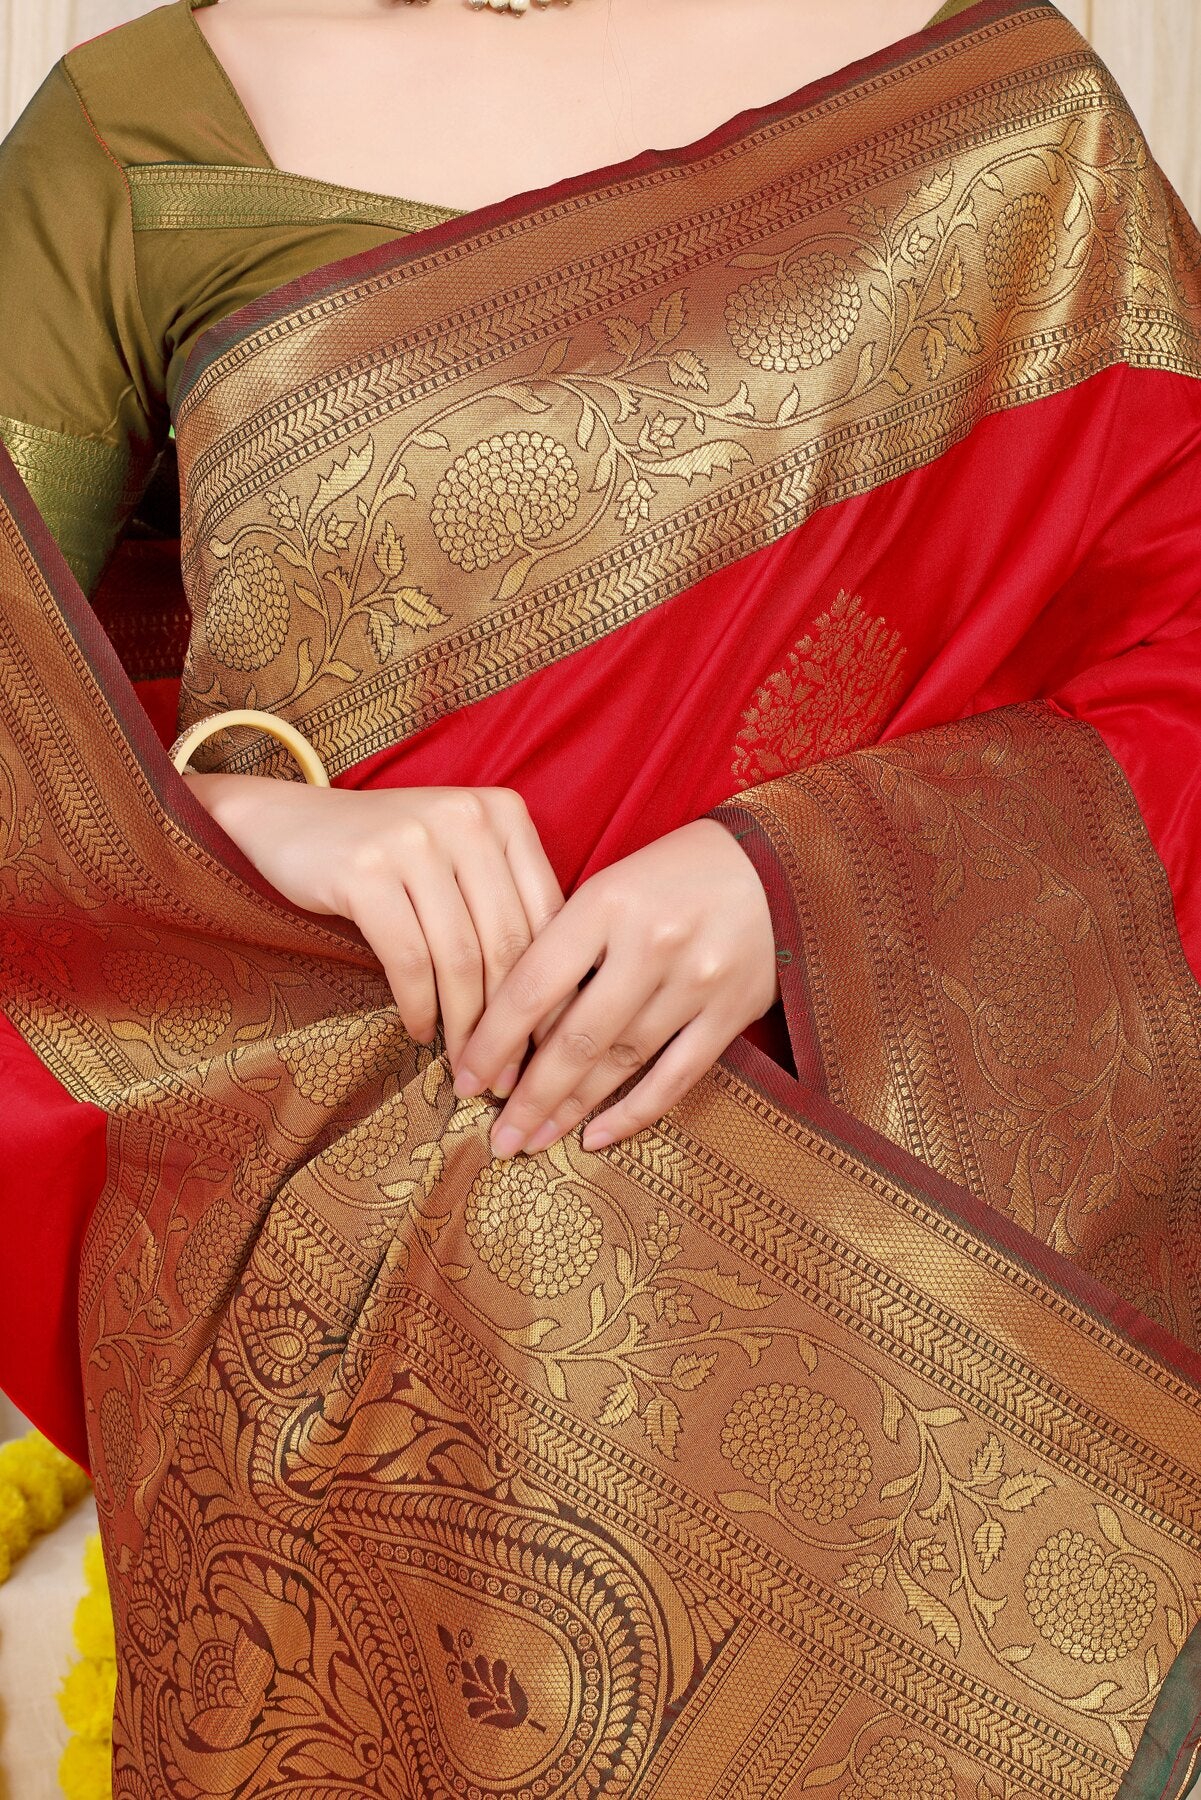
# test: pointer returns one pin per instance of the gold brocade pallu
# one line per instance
(786, 1447)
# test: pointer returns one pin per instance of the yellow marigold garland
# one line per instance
(86, 1697)
(37, 1485)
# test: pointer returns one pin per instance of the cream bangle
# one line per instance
(311, 765)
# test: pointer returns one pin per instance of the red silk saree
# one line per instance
(837, 474)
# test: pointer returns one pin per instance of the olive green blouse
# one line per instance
(139, 208)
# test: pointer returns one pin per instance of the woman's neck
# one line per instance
(436, 102)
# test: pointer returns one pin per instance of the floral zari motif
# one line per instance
(350, 539)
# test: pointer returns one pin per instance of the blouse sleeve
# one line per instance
(82, 407)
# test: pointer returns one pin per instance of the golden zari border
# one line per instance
(220, 196)
(418, 487)
(749, 1410)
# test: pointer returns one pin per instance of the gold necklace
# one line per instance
(513, 6)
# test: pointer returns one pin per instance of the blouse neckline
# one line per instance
(947, 10)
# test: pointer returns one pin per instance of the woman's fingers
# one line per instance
(487, 885)
(535, 879)
(607, 1034)
(550, 970)
(388, 922)
(679, 1068)
(454, 948)
(665, 1013)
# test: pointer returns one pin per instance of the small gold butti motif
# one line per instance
(1028, 994)
(508, 492)
(804, 1443)
(798, 318)
(1090, 1603)
(189, 1007)
(1022, 249)
(840, 683)
(246, 615)
(534, 1231)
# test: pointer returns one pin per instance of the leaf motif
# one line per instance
(1018, 1492)
(531, 1335)
(586, 426)
(431, 440)
(897, 381)
(1096, 1697)
(1074, 208)
(597, 1307)
(965, 332)
(554, 1378)
(704, 459)
(1111, 1525)
(901, 1484)
(937, 1618)
(879, 300)
(988, 1542)
(1015, 1653)
(1122, 1738)
(691, 1371)
(935, 353)
(604, 469)
(514, 578)
(554, 356)
(619, 1403)
(623, 1262)
(1143, 1133)
(743, 1500)
(662, 1422)
(624, 336)
(1148, 1178)
(988, 1462)
(413, 606)
(517, 394)
(751, 259)
(925, 199)
(992, 180)
(130, 1032)
(939, 1416)
(686, 370)
(729, 1289)
(788, 405)
(893, 1413)
(342, 478)
(952, 275)
(667, 320)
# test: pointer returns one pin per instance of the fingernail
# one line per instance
(596, 1137)
(506, 1140)
(545, 1134)
(508, 1081)
(468, 1084)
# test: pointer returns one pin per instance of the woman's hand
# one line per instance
(449, 886)
(680, 936)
